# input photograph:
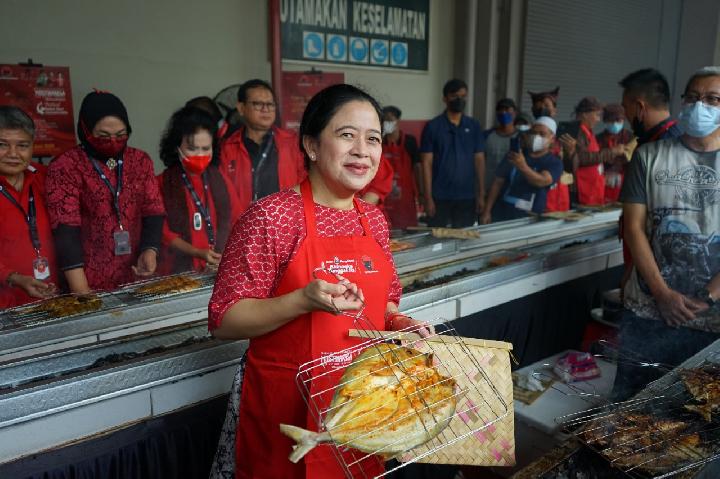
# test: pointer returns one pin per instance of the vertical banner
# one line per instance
(298, 88)
(43, 93)
(377, 33)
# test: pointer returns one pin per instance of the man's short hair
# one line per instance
(649, 84)
(249, 85)
(392, 110)
(13, 118)
(505, 104)
(453, 86)
(704, 72)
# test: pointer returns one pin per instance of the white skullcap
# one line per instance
(548, 122)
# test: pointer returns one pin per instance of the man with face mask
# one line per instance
(615, 134)
(646, 99)
(451, 151)
(523, 178)
(671, 205)
(544, 103)
(401, 151)
(497, 139)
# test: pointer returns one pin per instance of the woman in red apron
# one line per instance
(201, 203)
(586, 155)
(266, 290)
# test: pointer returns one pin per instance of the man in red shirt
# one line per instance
(27, 265)
(260, 158)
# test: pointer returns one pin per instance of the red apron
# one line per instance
(590, 179)
(613, 179)
(269, 393)
(400, 205)
(558, 196)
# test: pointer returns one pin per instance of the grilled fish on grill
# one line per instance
(390, 399)
(396, 245)
(704, 385)
(631, 440)
(62, 306)
(171, 284)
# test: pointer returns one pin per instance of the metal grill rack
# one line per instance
(427, 413)
(654, 435)
(131, 293)
(31, 314)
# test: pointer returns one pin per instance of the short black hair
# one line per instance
(393, 110)
(453, 86)
(187, 121)
(505, 103)
(208, 104)
(649, 84)
(324, 105)
(249, 85)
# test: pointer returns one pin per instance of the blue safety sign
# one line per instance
(337, 48)
(398, 54)
(359, 50)
(313, 45)
(379, 53)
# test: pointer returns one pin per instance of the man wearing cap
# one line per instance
(615, 134)
(585, 154)
(522, 180)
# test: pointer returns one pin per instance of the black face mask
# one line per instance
(638, 127)
(542, 111)
(457, 105)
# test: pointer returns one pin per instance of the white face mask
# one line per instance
(523, 128)
(389, 126)
(538, 143)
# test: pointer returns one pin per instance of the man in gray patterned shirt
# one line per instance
(671, 205)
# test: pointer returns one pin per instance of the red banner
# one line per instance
(297, 90)
(44, 94)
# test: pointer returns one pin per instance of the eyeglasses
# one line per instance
(709, 100)
(262, 105)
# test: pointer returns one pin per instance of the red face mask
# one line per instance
(108, 147)
(195, 164)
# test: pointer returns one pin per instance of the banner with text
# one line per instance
(380, 33)
(44, 94)
(297, 90)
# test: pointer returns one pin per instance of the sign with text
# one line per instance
(297, 90)
(44, 94)
(378, 33)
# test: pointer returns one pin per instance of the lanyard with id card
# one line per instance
(203, 211)
(40, 264)
(121, 237)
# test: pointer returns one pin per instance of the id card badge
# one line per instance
(122, 242)
(41, 268)
(197, 222)
(524, 205)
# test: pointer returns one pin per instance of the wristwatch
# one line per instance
(704, 295)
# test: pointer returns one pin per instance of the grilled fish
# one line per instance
(704, 385)
(62, 306)
(171, 284)
(390, 399)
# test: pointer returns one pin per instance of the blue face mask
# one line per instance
(504, 118)
(699, 120)
(614, 128)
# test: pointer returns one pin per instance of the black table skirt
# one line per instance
(182, 445)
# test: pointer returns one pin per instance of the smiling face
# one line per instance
(16, 147)
(347, 152)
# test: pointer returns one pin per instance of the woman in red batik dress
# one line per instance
(201, 204)
(265, 289)
(104, 202)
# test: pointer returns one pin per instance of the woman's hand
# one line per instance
(146, 263)
(211, 257)
(400, 322)
(486, 218)
(568, 142)
(33, 287)
(321, 295)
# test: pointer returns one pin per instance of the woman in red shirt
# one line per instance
(104, 203)
(266, 291)
(201, 204)
(27, 265)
